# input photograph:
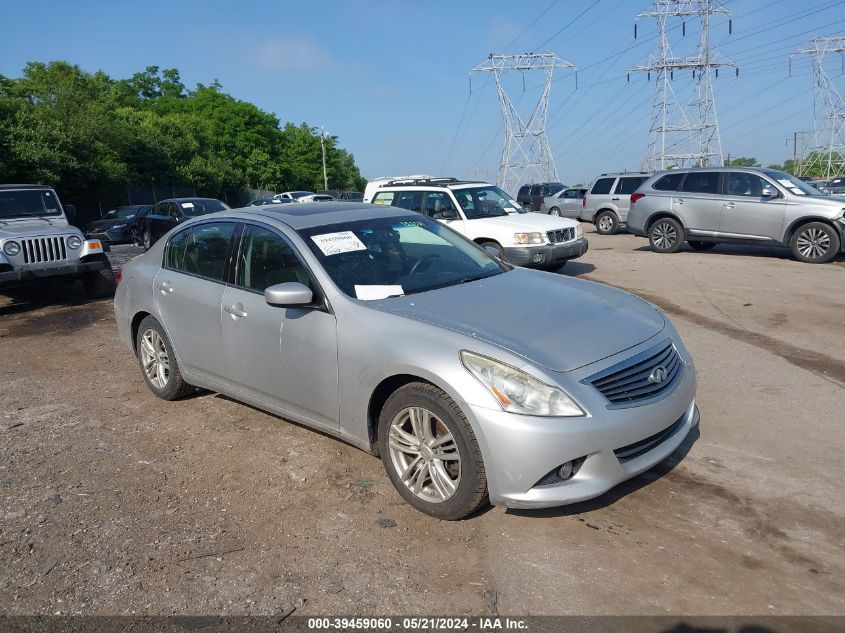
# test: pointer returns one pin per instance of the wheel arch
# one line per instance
(660, 215)
(378, 398)
(797, 224)
(134, 325)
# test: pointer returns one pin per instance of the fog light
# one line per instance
(566, 471)
(562, 473)
(539, 257)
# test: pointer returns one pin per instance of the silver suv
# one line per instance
(37, 242)
(606, 205)
(738, 205)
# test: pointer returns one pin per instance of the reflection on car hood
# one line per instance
(35, 227)
(555, 321)
(533, 222)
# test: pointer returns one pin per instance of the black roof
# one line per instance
(429, 182)
(11, 186)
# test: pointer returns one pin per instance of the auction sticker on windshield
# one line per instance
(336, 243)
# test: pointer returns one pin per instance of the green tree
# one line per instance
(742, 162)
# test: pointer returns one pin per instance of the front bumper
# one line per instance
(518, 451)
(546, 254)
(34, 273)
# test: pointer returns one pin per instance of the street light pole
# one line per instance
(323, 147)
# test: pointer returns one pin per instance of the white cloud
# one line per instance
(293, 54)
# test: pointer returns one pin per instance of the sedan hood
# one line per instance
(101, 224)
(533, 222)
(554, 321)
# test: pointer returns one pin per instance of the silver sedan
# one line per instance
(471, 379)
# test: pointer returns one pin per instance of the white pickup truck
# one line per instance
(490, 217)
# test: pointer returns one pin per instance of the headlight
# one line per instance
(74, 242)
(116, 226)
(517, 391)
(579, 231)
(529, 238)
(11, 248)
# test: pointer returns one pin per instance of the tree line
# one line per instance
(91, 136)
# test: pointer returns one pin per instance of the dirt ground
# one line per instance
(115, 502)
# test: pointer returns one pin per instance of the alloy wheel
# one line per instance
(154, 358)
(664, 235)
(424, 454)
(606, 223)
(813, 243)
(555, 212)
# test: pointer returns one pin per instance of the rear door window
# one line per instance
(410, 200)
(629, 185)
(201, 250)
(602, 186)
(669, 182)
(701, 182)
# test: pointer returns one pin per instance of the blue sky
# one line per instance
(390, 78)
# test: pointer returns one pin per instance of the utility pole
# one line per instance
(827, 156)
(323, 147)
(682, 134)
(527, 155)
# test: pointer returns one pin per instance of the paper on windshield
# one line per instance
(336, 243)
(187, 205)
(372, 293)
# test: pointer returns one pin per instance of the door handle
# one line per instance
(679, 201)
(728, 205)
(165, 287)
(615, 199)
(236, 310)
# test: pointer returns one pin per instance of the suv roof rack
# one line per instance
(429, 182)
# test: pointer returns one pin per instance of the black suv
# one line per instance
(531, 196)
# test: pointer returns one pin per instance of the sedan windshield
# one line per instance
(23, 203)
(384, 257)
(486, 202)
(201, 207)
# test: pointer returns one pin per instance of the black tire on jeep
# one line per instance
(100, 283)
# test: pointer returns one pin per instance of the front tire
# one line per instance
(666, 235)
(430, 452)
(815, 243)
(147, 240)
(100, 283)
(158, 362)
(497, 246)
(607, 223)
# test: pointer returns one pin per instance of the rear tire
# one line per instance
(158, 362)
(815, 243)
(701, 246)
(666, 235)
(418, 423)
(554, 211)
(100, 283)
(607, 223)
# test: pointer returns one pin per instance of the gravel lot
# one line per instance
(114, 502)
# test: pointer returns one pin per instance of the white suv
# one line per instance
(490, 217)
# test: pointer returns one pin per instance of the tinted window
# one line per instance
(523, 191)
(266, 259)
(701, 182)
(603, 185)
(27, 202)
(201, 250)
(536, 190)
(572, 193)
(750, 185)
(411, 200)
(669, 182)
(629, 185)
(439, 206)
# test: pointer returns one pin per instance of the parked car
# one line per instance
(490, 217)
(168, 213)
(471, 379)
(293, 196)
(316, 197)
(606, 205)
(706, 207)
(351, 196)
(375, 183)
(834, 186)
(262, 201)
(531, 196)
(116, 226)
(37, 242)
(567, 203)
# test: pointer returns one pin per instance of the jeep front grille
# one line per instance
(37, 250)
(561, 235)
(643, 377)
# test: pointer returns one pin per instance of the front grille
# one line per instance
(37, 250)
(560, 235)
(640, 377)
(632, 451)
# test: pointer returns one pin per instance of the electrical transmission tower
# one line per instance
(527, 155)
(683, 134)
(827, 156)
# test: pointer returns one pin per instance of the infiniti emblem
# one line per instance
(657, 375)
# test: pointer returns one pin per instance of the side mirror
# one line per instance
(288, 295)
(70, 211)
(769, 192)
